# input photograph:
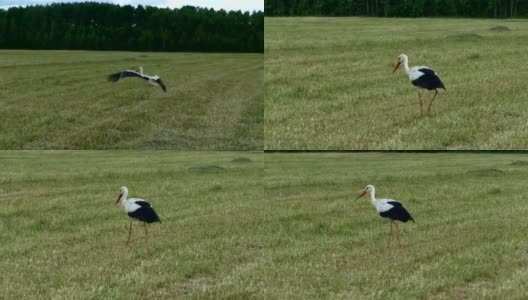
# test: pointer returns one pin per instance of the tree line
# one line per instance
(399, 8)
(103, 26)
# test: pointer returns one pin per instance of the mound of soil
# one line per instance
(500, 28)
(241, 160)
(215, 187)
(465, 36)
(512, 114)
(519, 163)
(205, 169)
(485, 172)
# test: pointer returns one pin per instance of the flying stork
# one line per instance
(421, 77)
(388, 208)
(137, 210)
(154, 80)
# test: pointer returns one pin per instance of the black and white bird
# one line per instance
(137, 210)
(388, 208)
(421, 77)
(154, 80)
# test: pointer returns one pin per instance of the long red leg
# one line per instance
(390, 235)
(431, 103)
(397, 233)
(146, 238)
(129, 232)
(420, 101)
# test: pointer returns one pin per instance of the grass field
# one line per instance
(328, 84)
(468, 242)
(61, 100)
(239, 225)
(63, 238)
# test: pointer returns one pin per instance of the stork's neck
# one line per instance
(373, 197)
(141, 70)
(124, 198)
(406, 64)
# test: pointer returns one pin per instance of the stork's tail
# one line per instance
(114, 77)
(442, 86)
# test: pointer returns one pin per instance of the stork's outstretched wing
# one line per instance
(115, 77)
(162, 85)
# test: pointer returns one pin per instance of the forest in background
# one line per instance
(102, 26)
(399, 8)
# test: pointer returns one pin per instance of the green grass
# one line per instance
(279, 226)
(328, 84)
(63, 238)
(469, 239)
(61, 100)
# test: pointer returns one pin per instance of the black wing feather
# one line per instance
(116, 76)
(145, 213)
(143, 203)
(429, 80)
(397, 212)
(162, 85)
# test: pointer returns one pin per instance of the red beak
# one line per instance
(396, 67)
(361, 194)
(118, 197)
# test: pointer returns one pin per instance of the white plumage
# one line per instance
(130, 205)
(382, 205)
(153, 80)
(388, 208)
(414, 72)
(138, 210)
(422, 77)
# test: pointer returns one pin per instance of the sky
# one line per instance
(244, 5)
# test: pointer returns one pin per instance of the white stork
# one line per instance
(388, 208)
(421, 77)
(139, 210)
(154, 80)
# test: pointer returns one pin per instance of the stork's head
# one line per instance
(123, 192)
(368, 189)
(401, 59)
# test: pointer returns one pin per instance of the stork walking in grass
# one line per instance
(137, 210)
(154, 80)
(421, 77)
(388, 208)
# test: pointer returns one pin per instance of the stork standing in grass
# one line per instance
(154, 80)
(421, 77)
(388, 208)
(138, 210)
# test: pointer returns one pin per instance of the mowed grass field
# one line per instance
(63, 238)
(468, 242)
(61, 100)
(329, 83)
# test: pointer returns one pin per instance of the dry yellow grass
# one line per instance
(61, 100)
(328, 84)
(63, 238)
